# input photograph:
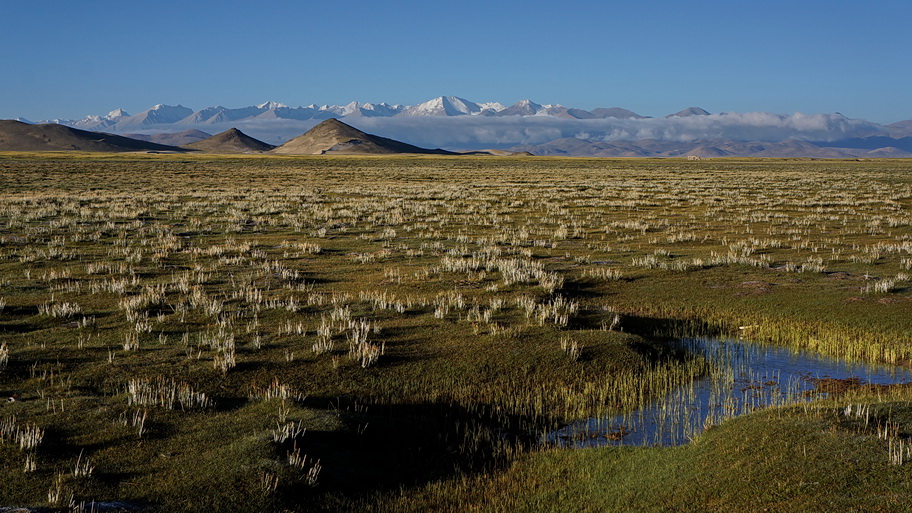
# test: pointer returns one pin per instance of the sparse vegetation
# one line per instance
(194, 333)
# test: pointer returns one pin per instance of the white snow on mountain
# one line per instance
(271, 105)
(116, 114)
(99, 122)
(456, 123)
(157, 115)
(521, 108)
(443, 106)
(494, 106)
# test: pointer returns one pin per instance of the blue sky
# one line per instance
(69, 59)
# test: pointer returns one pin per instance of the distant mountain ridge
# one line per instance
(459, 124)
(119, 120)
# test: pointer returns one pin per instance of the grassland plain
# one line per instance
(391, 333)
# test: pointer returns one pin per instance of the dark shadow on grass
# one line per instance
(390, 359)
(581, 289)
(590, 319)
(19, 327)
(656, 327)
(389, 447)
(19, 311)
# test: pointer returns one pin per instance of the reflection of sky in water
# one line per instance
(753, 376)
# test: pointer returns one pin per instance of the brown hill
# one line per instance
(172, 138)
(889, 152)
(689, 111)
(900, 128)
(615, 112)
(335, 137)
(230, 141)
(18, 136)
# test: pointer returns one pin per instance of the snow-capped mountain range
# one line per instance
(119, 120)
(455, 123)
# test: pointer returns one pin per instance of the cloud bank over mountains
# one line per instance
(510, 131)
(455, 123)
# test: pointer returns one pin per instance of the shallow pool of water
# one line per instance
(751, 376)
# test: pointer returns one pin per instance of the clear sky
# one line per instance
(61, 58)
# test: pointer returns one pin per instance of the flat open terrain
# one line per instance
(304, 333)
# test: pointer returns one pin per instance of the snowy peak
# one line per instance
(522, 108)
(270, 105)
(89, 122)
(116, 114)
(158, 115)
(494, 106)
(219, 114)
(207, 115)
(98, 123)
(443, 106)
(381, 109)
(356, 109)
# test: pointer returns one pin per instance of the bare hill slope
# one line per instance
(335, 137)
(18, 136)
(230, 141)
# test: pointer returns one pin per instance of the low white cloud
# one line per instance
(509, 131)
(468, 132)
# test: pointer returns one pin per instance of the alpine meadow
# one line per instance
(267, 332)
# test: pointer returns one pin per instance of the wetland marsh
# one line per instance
(396, 333)
(745, 377)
